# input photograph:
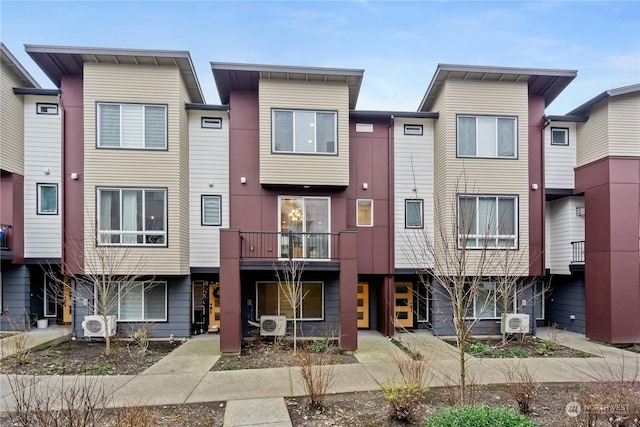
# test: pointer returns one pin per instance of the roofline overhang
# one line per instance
(26, 77)
(206, 107)
(393, 114)
(35, 91)
(267, 68)
(584, 109)
(567, 118)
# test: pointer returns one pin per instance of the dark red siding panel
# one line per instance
(230, 299)
(12, 212)
(348, 291)
(536, 176)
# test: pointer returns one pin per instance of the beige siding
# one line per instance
(564, 227)
(559, 160)
(42, 164)
(624, 125)
(593, 136)
(11, 123)
(481, 176)
(140, 168)
(413, 166)
(209, 175)
(183, 194)
(304, 169)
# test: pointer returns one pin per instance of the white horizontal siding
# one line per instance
(42, 164)
(413, 169)
(208, 164)
(559, 160)
(564, 227)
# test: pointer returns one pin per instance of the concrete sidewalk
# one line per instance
(184, 376)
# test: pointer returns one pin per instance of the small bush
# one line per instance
(403, 398)
(231, 367)
(316, 378)
(478, 416)
(512, 352)
(521, 386)
(319, 346)
(479, 349)
(545, 348)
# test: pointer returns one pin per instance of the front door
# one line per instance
(363, 305)
(403, 305)
(214, 307)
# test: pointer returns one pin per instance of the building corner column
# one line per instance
(230, 292)
(348, 291)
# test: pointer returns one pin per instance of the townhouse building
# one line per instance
(214, 198)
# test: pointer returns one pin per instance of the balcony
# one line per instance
(577, 249)
(5, 229)
(275, 246)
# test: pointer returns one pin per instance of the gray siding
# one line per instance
(15, 296)
(566, 298)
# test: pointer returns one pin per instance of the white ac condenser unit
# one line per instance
(273, 326)
(94, 326)
(516, 324)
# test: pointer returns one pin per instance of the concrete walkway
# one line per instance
(184, 376)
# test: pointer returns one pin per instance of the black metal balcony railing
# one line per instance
(288, 245)
(4, 237)
(578, 252)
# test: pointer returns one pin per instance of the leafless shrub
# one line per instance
(19, 342)
(405, 395)
(452, 389)
(412, 370)
(136, 416)
(140, 338)
(21, 387)
(521, 386)
(316, 378)
(555, 334)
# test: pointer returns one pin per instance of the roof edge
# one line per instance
(584, 108)
(5, 50)
(567, 118)
(206, 107)
(392, 114)
(81, 50)
(237, 66)
(35, 91)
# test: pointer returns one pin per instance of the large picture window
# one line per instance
(302, 131)
(487, 222)
(132, 217)
(141, 301)
(487, 136)
(271, 300)
(132, 126)
(304, 226)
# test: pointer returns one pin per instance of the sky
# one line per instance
(398, 44)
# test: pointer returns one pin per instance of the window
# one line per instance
(559, 136)
(47, 199)
(487, 222)
(301, 131)
(365, 213)
(42, 108)
(304, 226)
(271, 300)
(413, 130)
(211, 210)
(538, 294)
(142, 301)
(485, 302)
(364, 127)
(50, 298)
(132, 126)
(485, 136)
(211, 122)
(413, 213)
(132, 217)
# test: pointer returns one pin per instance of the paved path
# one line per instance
(184, 376)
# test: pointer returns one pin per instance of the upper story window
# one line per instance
(413, 213)
(413, 130)
(46, 108)
(559, 136)
(487, 136)
(305, 228)
(303, 131)
(364, 215)
(132, 217)
(487, 222)
(137, 126)
(47, 199)
(211, 210)
(211, 122)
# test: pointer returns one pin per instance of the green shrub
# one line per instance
(545, 348)
(478, 416)
(231, 367)
(319, 346)
(403, 398)
(513, 352)
(479, 349)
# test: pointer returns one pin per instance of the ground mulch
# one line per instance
(527, 346)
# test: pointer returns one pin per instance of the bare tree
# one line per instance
(289, 277)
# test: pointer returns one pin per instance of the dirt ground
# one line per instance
(527, 346)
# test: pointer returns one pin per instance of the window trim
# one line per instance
(419, 129)
(143, 104)
(496, 315)
(155, 283)
(566, 133)
(496, 157)
(311, 153)
(39, 105)
(216, 122)
(40, 185)
(48, 284)
(358, 216)
(164, 233)
(413, 227)
(305, 319)
(202, 215)
(516, 212)
(305, 231)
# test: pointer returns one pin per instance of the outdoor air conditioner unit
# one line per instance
(273, 326)
(94, 326)
(516, 324)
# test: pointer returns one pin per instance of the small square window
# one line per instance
(47, 199)
(365, 213)
(211, 122)
(413, 130)
(364, 127)
(413, 213)
(42, 108)
(559, 136)
(211, 210)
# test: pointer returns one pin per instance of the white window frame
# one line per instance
(413, 130)
(363, 201)
(47, 108)
(47, 294)
(145, 286)
(422, 301)
(565, 131)
(301, 315)
(480, 238)
(487, 314)
(40, 186)
(211, 122)
(478, 142)
(304, 230)
(147, 234)
(202, 210)
(315, 151)
(406, 204)
(99, 144)
(538, 297)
